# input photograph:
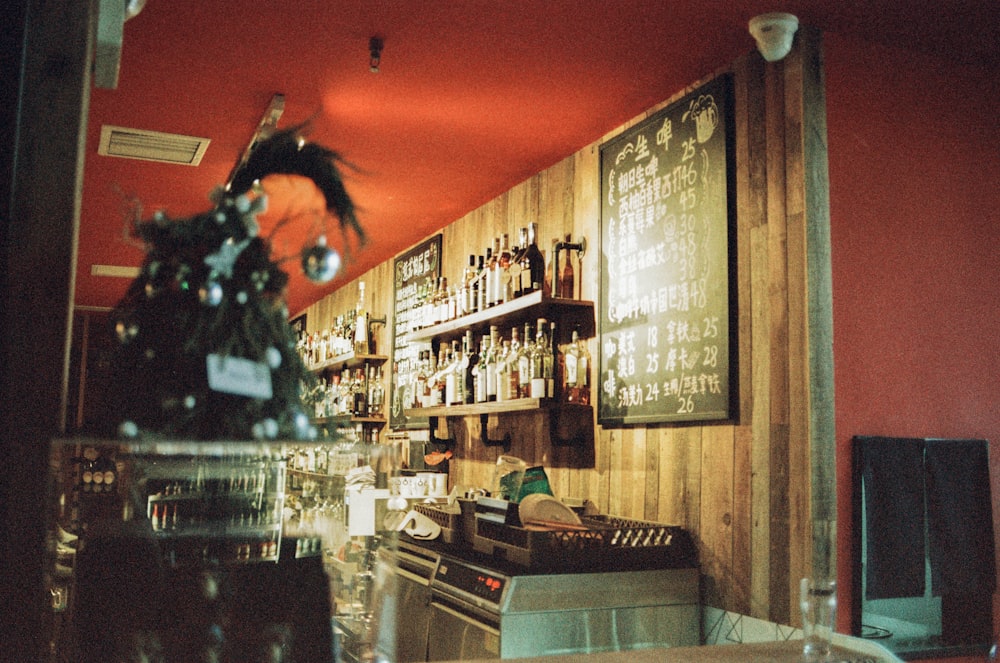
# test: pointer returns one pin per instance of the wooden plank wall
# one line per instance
(742, 489)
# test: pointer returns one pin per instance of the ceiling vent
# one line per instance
(151, 146)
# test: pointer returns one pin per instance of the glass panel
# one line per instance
(228, 551)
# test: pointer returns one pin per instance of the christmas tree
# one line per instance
(204, 348)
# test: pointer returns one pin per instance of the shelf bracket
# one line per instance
(485, 438)
(432, 433)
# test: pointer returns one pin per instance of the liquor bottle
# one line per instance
(567, 277)
(323, 353)
(468, 300)
(492, 274)
(516, 264)
(419, 380)
(435, 377)
(322, 460)
(479, 376)
(549, 362)
(490, 362)
(470, 360)
(536, 357)
(502, 372)
(577, 367)
(532, 263)
(524, 364)
(452, 304)
(479, 285)
(512, 386)
(376, 392)
(503, 285)
(442, 300)
(359, 391)
(453, 377)
(346, 400)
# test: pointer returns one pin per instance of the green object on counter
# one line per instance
(535, 481)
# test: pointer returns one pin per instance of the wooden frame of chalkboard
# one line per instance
(415, 269)
(667, 342)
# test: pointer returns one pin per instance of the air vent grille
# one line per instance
(152, 145)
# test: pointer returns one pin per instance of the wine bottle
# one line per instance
(532, 263)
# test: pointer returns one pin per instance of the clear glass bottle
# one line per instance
(479, 374)
(345, 400)
(524, 364)
(468, 299)
(376, 393)
(536, 357)
(549, 361)
(479, 285)
(503, 285)
(361, 323)
(490, 362)
(577, 371)
(453, 376)
(513, 370)
(469, 361)
(492, 273)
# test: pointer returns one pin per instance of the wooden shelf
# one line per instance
(348, 360)
(565, 312)
(492, 407)
(346, 419)
(562, 415)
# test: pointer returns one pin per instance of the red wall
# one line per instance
(914, 145)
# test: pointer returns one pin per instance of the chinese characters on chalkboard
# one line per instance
(414, 274)
(666, 250)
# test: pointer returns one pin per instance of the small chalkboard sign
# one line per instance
(667, 263)
(415, 273)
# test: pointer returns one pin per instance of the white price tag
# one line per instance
(243, 377)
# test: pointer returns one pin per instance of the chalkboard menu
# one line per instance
(668, 264)
(415, 273)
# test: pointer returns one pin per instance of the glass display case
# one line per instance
(166, 551)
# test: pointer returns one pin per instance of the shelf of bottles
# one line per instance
(217, 513)
(527, 371)
(350, 389)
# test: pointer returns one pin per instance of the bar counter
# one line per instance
(851, 650)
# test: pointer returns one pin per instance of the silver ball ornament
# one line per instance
(210, 294)
(320, 263)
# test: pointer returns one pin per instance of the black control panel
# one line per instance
(481, 583)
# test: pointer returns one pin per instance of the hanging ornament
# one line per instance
(320, 262)
(128, 429)
(273, 355)
(266, 429)
(210, 294)
(304, 430)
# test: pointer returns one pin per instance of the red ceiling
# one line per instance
(473, 96)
